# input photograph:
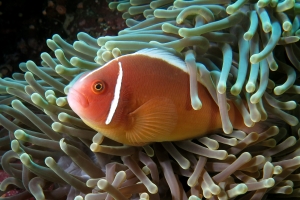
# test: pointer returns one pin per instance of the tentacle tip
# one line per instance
(28, 75)
(59, 69)
(294, 121)
(49, 161)
(222, 154)
(254, 59)
(292, 105)
(62, 116)
(2, 187)
(94, 147)
(67, 89)
(98, 138)
(248, 36)
(230, 9)
(62, 144)
(215, 189)
(15, 101)
(278, 90)
(261, 4)
(56, 126)
(192, 182)
(25, 159)
(179, 20)
(102, 184)
(228, 129)
(267, 27)
(19, 134)
(287, 26)
(255, 117)
(15, 145)
(235, 90)
(186, 164)
(242, 188)
(221, 88)
(183, 32)
(35, 98)
(250, 87)
(254, 99)
(78, 198)
(269, 183)
(152, 188)
(44, 54)
(196, 104)
(58, 52)
(273, 66)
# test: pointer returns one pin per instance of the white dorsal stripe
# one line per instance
(164, 55)
(95, 71)
(116, 98)
(151, 52)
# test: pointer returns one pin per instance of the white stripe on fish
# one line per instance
(115, 101)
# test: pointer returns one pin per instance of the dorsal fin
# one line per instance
(164, 55)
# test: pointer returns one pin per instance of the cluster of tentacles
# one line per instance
(239, 50)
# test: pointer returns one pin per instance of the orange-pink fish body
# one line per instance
(144, 98)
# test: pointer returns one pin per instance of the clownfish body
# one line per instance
(144, 97)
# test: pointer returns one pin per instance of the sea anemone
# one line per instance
(243, 51)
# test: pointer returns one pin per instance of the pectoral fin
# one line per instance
(152, 121)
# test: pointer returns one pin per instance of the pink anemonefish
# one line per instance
(144, 97)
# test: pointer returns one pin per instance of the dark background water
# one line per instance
(25, 26)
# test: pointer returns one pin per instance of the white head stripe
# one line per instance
(115, 101)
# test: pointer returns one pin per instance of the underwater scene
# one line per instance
(189, 100)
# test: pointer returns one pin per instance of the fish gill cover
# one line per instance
(247, 48)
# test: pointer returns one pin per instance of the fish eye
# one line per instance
(98, 87)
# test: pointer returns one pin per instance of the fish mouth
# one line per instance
(77, 99)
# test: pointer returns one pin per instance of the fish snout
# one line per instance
(77, 99)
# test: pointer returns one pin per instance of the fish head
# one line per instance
(90, 95)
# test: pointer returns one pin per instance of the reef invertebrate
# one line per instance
(249, 47)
